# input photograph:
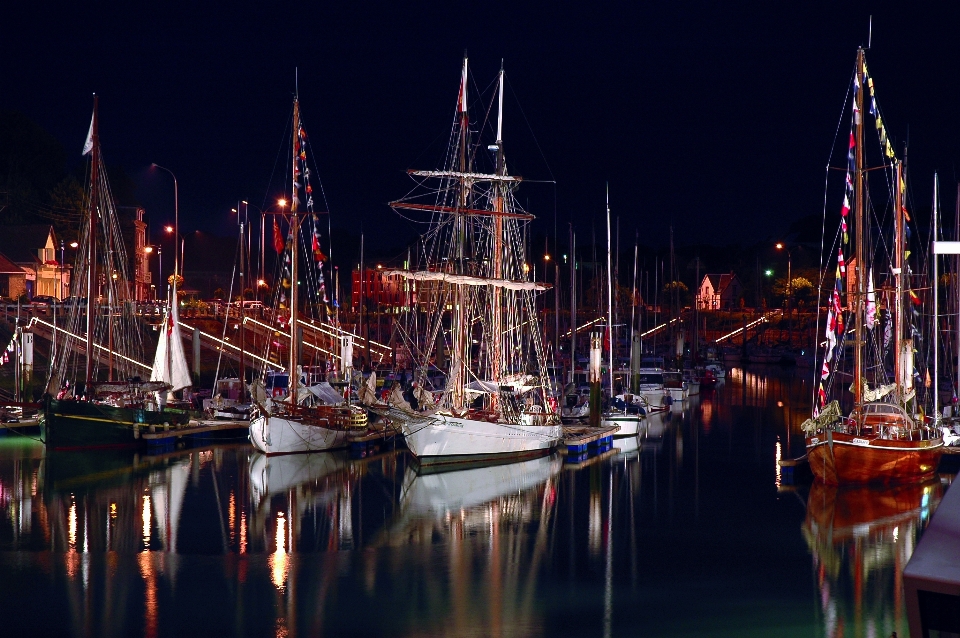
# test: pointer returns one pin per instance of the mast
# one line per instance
(857, 305)
(609, 294)
(956, 289)
(936, 304)
(294, 232)
(497, 338)
(898, 252)
(573, 304)
(458, 327)
(92, 245)
(633, 305)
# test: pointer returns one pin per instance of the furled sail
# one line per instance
(468, 280)
(170, 362)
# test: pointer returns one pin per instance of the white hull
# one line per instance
(677, 394)
(447, 436)
(693, 388)
(629, 424)
(276, 435)
(653, 397)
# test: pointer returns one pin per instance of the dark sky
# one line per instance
(717, 118)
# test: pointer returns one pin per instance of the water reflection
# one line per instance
(677, 531)
(860, 540)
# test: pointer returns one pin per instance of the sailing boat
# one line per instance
(106, 412)
(475, 281)
(881, 440)
(301, 421)
(624, 412)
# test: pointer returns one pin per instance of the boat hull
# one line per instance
(837, 458)
(629, 424)
(278, 435)
(449, 439)
(68, 424)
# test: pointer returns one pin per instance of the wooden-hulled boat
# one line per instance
(880, 441)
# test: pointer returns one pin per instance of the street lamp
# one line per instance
(149, 249)
(782, 246)
(176, 220)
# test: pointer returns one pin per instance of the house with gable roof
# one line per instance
(719, 292)
(33, 248)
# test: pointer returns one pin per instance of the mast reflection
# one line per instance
(860, 540)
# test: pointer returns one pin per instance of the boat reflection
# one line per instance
(861, 539)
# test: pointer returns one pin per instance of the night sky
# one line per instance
(717, 119)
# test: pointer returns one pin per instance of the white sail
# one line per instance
(170, 362)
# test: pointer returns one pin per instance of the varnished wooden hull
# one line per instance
(837, 458)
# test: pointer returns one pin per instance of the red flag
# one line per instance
(317, 253)
(277, 237)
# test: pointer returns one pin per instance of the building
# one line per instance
(13, 279)
(133, 228)
(719, 292)
(386, 293)
(34, 248)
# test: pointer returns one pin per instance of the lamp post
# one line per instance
(60, 270)
(176, 221)
(782, 246)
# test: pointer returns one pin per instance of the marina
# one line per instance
(221, 536)
(480, 334)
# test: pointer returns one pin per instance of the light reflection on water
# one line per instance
(681, 530)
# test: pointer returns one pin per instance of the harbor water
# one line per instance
(685, 530)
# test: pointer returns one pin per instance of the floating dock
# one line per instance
(370, 441)
(196, 430)
(23, 423)
(578, 438)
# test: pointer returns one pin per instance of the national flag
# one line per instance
(277, 237)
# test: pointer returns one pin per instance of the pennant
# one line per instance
(871, 302)
(277, 237)
(88, 145)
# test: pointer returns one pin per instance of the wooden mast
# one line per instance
(92, 244)
(859, 270)
(458, 327)
(294, 233)
(497, 338)
(898, 252)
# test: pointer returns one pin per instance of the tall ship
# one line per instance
(474, 318)
(304, 419)
(868, 425)
(100, 393)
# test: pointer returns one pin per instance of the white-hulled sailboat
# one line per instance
(622, 412)
(300, 422)
(474, 280)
